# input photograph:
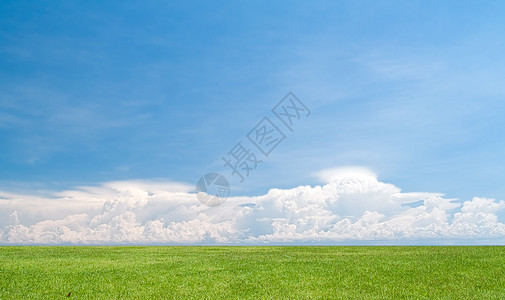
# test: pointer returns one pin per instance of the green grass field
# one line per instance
(252, 272)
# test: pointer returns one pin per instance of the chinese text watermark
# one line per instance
(244, 157)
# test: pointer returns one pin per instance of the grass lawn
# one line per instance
(252, 272)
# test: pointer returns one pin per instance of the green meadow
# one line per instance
(371, 272)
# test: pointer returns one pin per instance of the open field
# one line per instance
(252, 272)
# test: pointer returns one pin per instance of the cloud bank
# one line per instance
(354, 207)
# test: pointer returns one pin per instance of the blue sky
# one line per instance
(93, 92)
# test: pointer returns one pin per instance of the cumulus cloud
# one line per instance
(352, 207)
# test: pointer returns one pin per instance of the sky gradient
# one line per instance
(91, 94)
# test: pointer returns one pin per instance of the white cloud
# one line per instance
(352, 207)
(339, 173)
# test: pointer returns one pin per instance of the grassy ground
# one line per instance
(252, 272)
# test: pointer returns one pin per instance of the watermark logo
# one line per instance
(242, 159)
(212, 189)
